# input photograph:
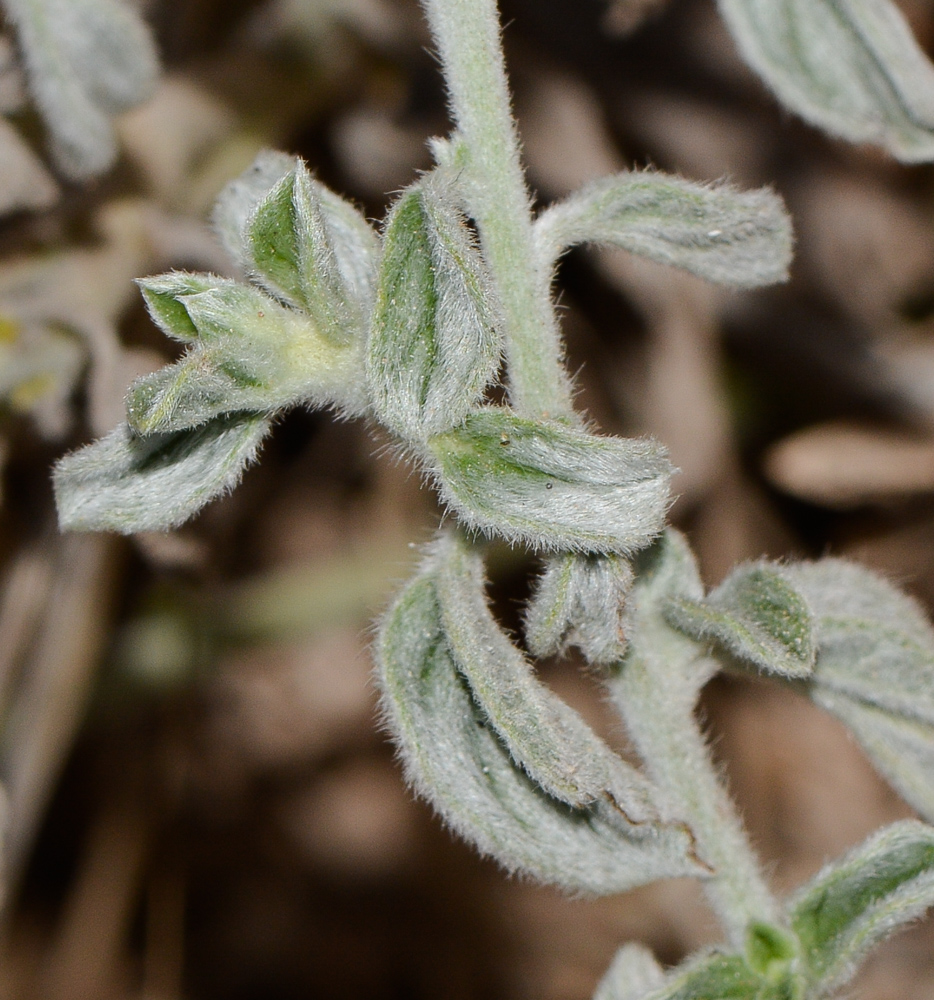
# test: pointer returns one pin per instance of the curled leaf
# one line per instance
(551, 485)
(738, 238)
(580, 601)
(456, 760)
(239, 200)
(544, 735)
(851, 67)
(314, 250)
(852, 904)
(86, 60)
(434, 345)
(128, 483)
(757, 616)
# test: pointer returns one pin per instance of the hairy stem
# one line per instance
(658, 707)
(467, 35)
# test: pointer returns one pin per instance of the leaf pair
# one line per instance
(833, 922)
(862, 648)
(845, 634)
(511, 767)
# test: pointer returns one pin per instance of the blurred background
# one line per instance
(200, 801)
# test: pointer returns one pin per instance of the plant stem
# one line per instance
(657, 704)
(467, 35)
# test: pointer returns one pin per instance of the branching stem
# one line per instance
(467, 34)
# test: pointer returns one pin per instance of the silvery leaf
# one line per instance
(456, 760)
(546, 737)
(251, 353)
(757, 616)
(551, 485)
(86, 61)
(738, 238)
(580, 601)
(311, 248)
(434, 344)
(851, 67)
(633, 973)
(852, 904)
(874, 644)
(128, 483)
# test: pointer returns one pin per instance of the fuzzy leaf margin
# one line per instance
(551, 485)
(854, 903)
(128, 483)
(455, 759)
(742, 239)
(851, 67)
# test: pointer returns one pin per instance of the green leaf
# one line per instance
(852, 904)
(851, 67)
(580, 600)
(457, 761)
(128, 483)
(86, 60)
(544, 735)
(239, 200)
(314, 250)
(713, 977)
(757, 616)
(164, 295)
(874, 670)
(434, 344)
(770, 951)
(738, 238)
(251, 353)
(550, 485)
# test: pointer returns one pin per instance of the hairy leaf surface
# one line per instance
(714, 977)
(458, 763)
(852, 904)
(579, 601)
(738, 238)
(239, 200)
(851, 67)
(314, 250)
(128, 483)
(434, 344)
(544, 735)
(756, 615)
(551, 485)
